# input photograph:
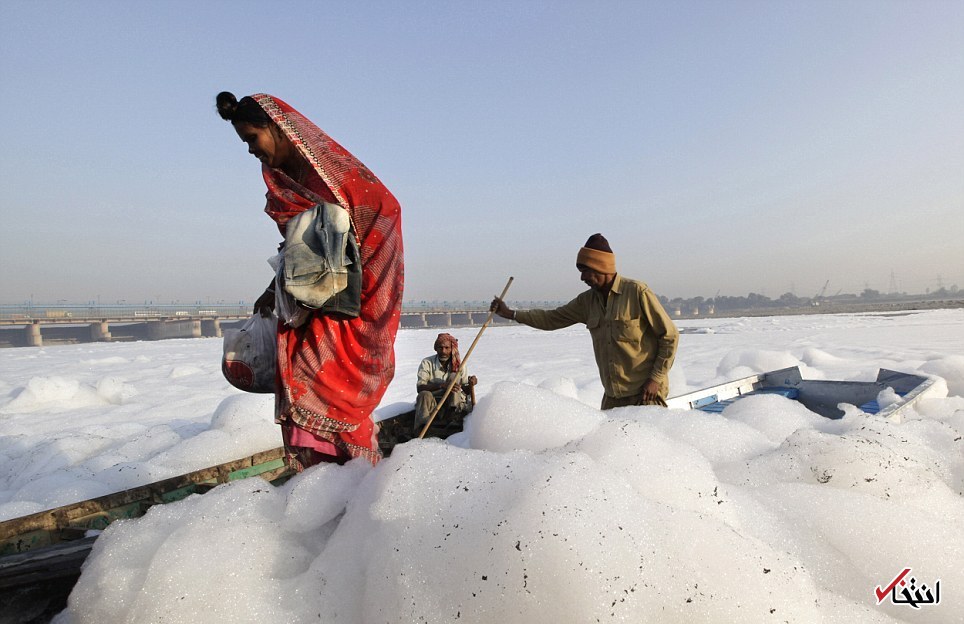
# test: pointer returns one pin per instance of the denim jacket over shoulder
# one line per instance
(322, 261)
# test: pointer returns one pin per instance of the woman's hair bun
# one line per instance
(227, 105)
(247, 110)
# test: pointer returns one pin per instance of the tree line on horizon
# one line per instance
(790, 300)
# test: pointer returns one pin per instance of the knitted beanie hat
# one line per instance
(597, 255)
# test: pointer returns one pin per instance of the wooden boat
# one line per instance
(51, 545)
(401, 428)
(820, 396)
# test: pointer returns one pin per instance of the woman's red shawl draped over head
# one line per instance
(334, 370)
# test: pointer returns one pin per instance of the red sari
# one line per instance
(334, 370)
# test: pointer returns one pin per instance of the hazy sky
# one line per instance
(720, 146)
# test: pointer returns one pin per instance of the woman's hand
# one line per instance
(265, 303)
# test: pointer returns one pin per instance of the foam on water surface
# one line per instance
(545, 509)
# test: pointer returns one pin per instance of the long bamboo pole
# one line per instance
(465, 358)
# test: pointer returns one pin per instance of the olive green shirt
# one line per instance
(632, 336)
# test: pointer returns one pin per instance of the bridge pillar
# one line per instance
(34, 339)
(448, 319)
(211, 328)
(154, 330)
(100, 331)
(196, 329)
(424, 320)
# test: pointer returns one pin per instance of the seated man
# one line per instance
(434, 375)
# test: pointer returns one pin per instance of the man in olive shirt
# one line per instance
(633, 338)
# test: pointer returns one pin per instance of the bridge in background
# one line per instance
(34, 326)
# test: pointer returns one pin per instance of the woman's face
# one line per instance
(266, 144)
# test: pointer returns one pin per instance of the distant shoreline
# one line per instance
(834, 308)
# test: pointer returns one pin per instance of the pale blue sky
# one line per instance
(720, 146)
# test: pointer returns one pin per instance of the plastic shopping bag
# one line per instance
(250, 354)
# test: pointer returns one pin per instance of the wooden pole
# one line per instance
(448, 390)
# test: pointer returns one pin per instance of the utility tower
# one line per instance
(823, 291)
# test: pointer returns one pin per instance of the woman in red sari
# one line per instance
(334, 368)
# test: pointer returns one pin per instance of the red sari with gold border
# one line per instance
(333, 370)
